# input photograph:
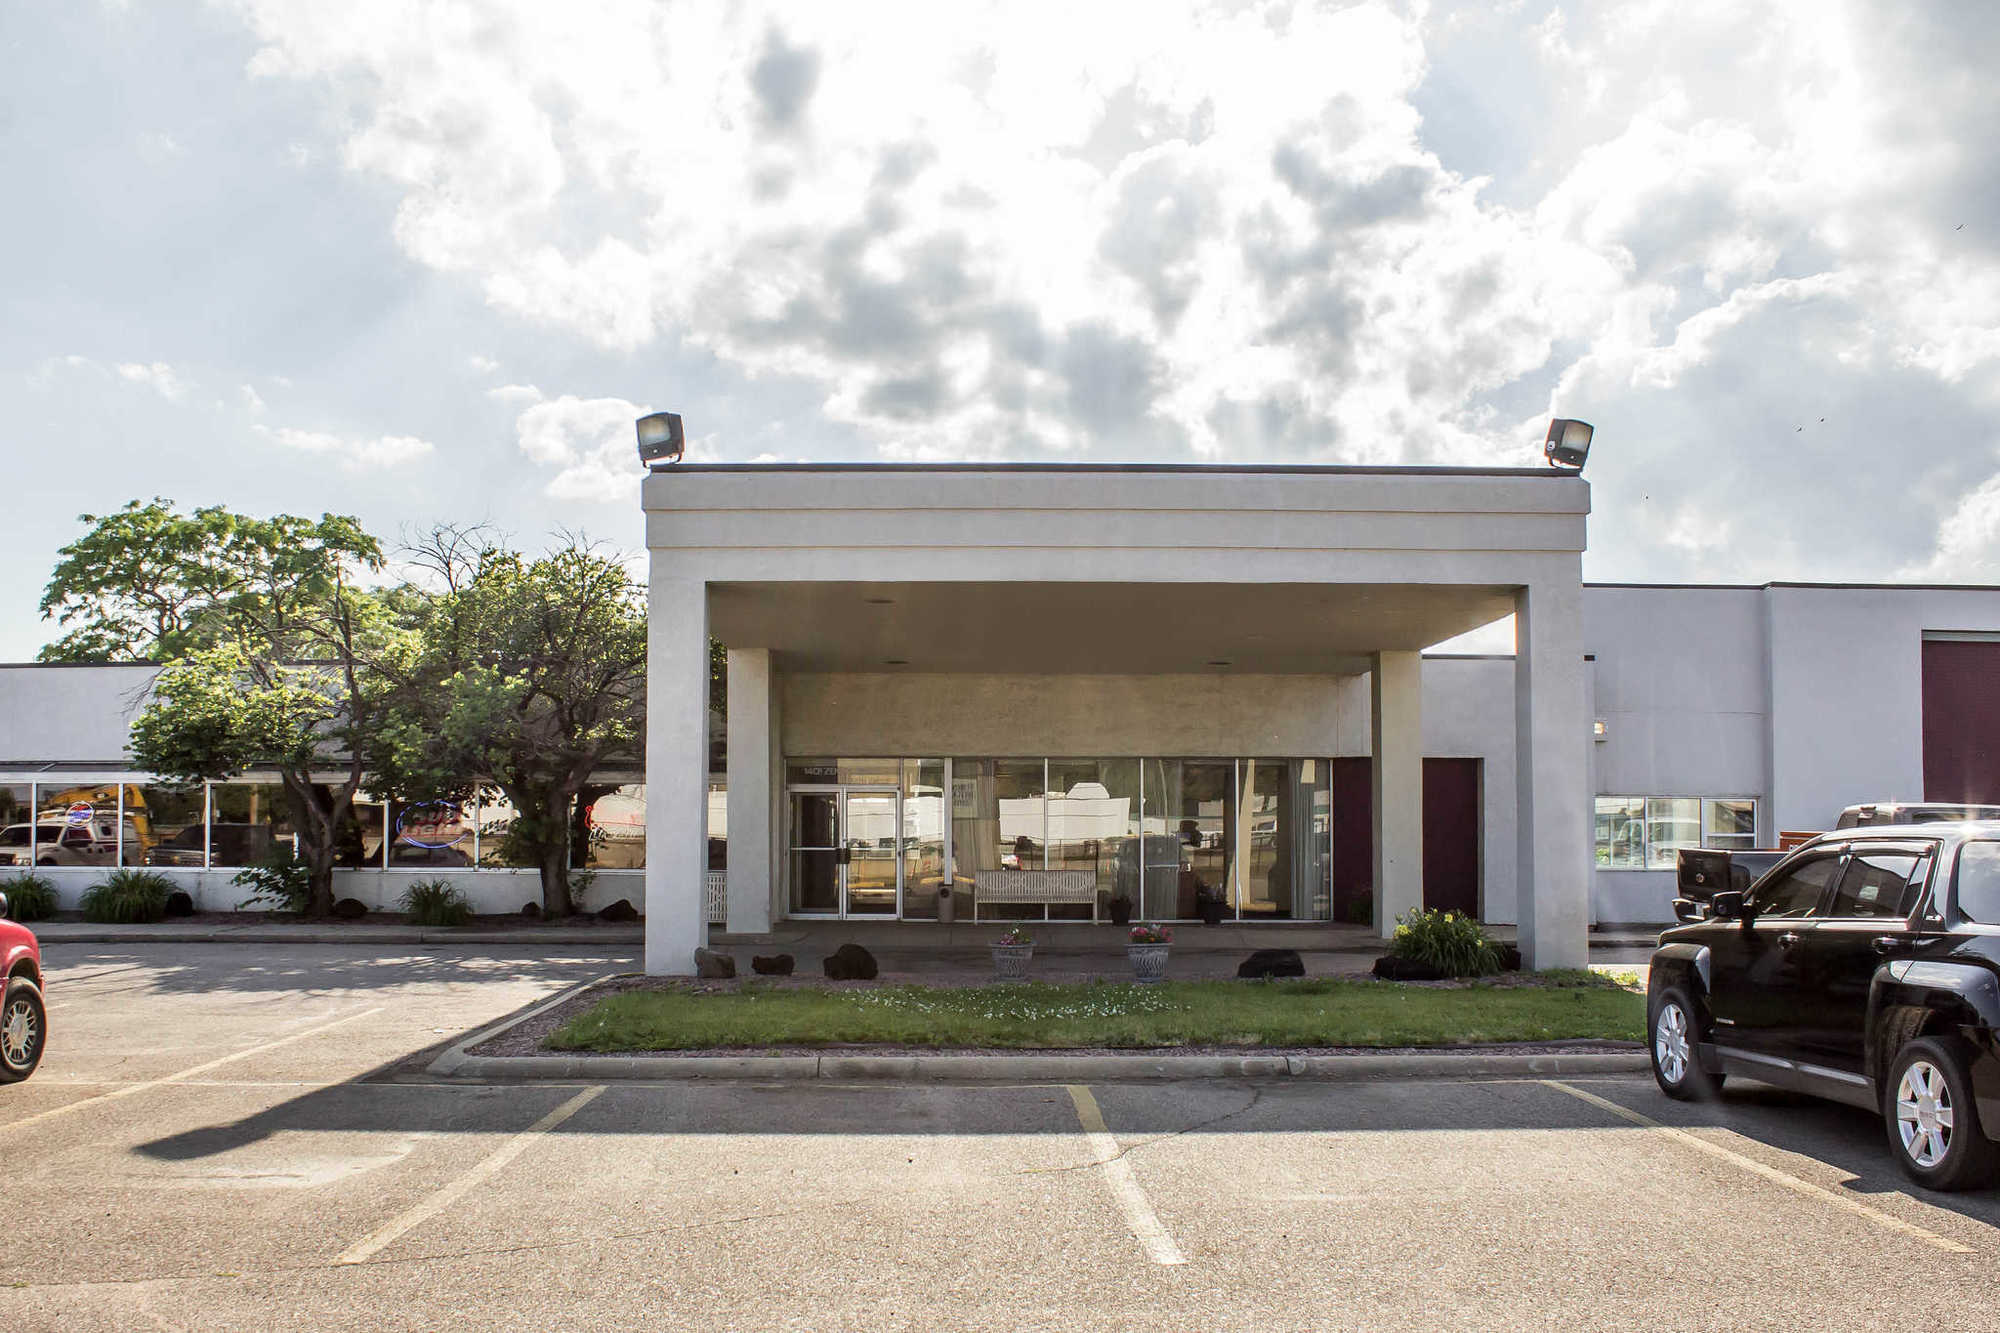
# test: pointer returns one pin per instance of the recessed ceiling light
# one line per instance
(1220, 661)
(881, 601)
(895, 661)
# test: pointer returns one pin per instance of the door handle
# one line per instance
(1788, 939)
(1883, 943)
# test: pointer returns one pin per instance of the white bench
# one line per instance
(1034, 886)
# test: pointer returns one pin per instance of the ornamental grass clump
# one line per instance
(436, 902)
(126, 897)
(1455, 945)
(30, 897)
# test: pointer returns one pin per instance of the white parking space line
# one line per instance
(1770, 1173)
(134, 1089)
(458, 1188)
(1139, 1214)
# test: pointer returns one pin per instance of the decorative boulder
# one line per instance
(622, 910)
(350, 909)
(713, 966)
(1267, 963)
(179, 904)
(532, 911)
(779, 966)
(851, 962)
(1407, 969)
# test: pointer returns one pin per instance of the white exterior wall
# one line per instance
(491, 892)
(1681, 685)
(1847, 691)
(70, 714)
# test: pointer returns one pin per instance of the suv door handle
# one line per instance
(1884, 943)
(1788, 939)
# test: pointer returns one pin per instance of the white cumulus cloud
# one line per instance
(354, 453)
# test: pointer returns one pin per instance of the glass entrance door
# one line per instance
(872, 867)
(843, 857)
(813, 857)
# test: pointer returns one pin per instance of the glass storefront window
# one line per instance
(1731, 824)
(1093, 824)
(17, 823)
(1621, 833)
(611, 832)
(247, 820)
(359, 843)
(1286, 828)
(1672, 822)
(923, 837)
(495, 820)
(163, 826)
(430, 834)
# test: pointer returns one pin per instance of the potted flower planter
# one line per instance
(1146, 949)
(1011, 955)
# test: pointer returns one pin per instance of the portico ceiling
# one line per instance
(1094, 628)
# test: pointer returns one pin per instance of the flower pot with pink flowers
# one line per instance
(1146, 949)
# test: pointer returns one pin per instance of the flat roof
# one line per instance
(1824, 587)
(1355, 469)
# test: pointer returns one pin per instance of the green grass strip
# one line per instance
(1178, 1013)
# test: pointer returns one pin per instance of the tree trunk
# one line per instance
(315, 825)
(555, 882)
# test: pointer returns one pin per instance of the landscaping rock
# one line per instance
(712, 966)
(1510, 958)
(532, 911)
(851, 962)
(179, 904)
(1267, 963)
(779, 966)
(1407, 969)
(621, 910)
(350, 909)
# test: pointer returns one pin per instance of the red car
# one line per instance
(24, 1023)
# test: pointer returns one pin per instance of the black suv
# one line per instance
(1864, 967)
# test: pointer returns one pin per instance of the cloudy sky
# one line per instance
(420, 261)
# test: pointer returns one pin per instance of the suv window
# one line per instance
(1797, 891)
(1979, 882)
(1878, 884)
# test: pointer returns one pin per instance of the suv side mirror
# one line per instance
(1729, 905)
(1687, 911)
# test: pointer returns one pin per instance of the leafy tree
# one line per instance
(279, 665)
(530, 675)
(143, 583)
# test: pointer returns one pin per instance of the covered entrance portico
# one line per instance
(1138, 674)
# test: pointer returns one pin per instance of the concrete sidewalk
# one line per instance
(808, 941)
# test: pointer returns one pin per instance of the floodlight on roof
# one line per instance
(660, 439)
(1568, 443)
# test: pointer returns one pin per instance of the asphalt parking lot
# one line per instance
(231, 1136)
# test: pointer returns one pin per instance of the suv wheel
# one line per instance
(24, 1029)
(1933, 1122)
(1671, 1034)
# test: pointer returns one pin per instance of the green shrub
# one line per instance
(436, 902)
(278, 878)
(30, 897)
(1456, 945)
(127, 896)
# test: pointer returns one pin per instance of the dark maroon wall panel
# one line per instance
(1353, 838)
(1961, 723)
(1451, 835)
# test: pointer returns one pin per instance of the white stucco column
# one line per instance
(1552, 759)
(1396, 691)
(676, 770)
(749, 721)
